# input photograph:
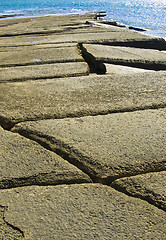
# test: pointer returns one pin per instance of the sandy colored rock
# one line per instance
(106, 147)
(89, 95)
(119, 69)
(49, 194)
(85, 211)
(38, 54)
(150, 186)
(124, 38)
(43, 24)
(143, 58)
(24, 162)
(22, 73)
(39, 46)
(53, 29)
(35, 39)
(6, 230)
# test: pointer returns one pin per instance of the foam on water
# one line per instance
(148, 14)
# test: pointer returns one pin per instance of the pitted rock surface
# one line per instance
(106, 147)
(87, 95)
(81, 211)
(33, 72)
(80, 131)
(150, 187)
(37, 54)
(24, 162)
(134, 57)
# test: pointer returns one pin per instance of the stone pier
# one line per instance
(82, 130)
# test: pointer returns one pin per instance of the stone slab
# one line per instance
(128, 38)
(106, 147)
(119, 69)
(143, 58)
(110, 37)
(42, 71)
(37, 54)
(150, 186)
(6, 231)
(84, 211)
(35, 39)
(43, 24)
(38, 45)
(88, 95)
(24, 162)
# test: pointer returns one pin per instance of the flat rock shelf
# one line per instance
(82, 130)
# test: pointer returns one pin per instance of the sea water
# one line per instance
(148, 14)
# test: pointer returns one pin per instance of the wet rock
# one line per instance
(137, 29)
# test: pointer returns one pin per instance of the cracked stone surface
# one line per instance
(56, 30)
(7, 232)
(125, 37)
(43, 71)
(24, 162)
(35, 54)
(95, 34)
(145, 58)
(109, 146)
(89, 95)
(150, 186)
(30, 40)
(81, 211)
(84, 156)
(46, 24)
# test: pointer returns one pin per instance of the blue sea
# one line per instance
(148, 14)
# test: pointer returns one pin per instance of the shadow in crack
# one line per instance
(95, 66)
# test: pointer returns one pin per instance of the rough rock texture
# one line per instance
(43, 24)
(24, 162)
(135, 57)
(90, 95)
(7, 231)
(88, 211)
(43, 71)
(113, 37)
(81, 131)
(150, 186)
(39, 55)
(72, 28)
(106, 147)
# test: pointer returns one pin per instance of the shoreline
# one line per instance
(139, 29)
